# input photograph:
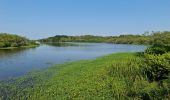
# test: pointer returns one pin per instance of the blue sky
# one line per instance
(42, 18)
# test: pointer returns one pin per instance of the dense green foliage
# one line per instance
(10, 40)
(156, 62)
(156, 67)
(147, 38)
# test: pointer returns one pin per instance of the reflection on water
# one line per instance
(6, 53)
(61, 44)
(16, 62)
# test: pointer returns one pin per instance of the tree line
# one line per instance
(146, 38)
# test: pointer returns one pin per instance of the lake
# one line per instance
(17, 62)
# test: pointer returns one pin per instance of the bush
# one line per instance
(156, 50)
(156, 67)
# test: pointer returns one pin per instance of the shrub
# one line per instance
(156, 50)
(156, 67)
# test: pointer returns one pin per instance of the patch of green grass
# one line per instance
(116, 76)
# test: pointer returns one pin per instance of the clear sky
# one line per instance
(42, 18)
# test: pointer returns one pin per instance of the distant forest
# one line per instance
(146, 38)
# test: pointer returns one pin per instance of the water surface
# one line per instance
(17, 62)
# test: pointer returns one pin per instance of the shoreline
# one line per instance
(8, 48)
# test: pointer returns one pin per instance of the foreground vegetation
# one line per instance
(104, 78)
(8, 41)
(146, 38)
(118, 76)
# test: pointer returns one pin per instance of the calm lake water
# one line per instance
(18, 62)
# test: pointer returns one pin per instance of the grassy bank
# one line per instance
(116, 76)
